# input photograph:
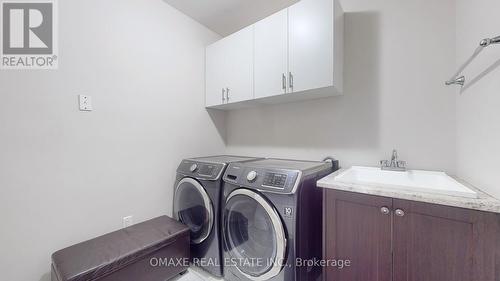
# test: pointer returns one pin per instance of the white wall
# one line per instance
(67, 176)
(397, 55)
(478, 105)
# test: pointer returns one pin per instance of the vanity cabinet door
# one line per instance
(357, 228)
(437, 243)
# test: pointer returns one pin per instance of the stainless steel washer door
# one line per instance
(193, 207)
(254, 235)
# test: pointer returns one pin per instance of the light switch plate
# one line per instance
(85, 102)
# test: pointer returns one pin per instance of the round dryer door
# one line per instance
(254, 235)
(193, 207)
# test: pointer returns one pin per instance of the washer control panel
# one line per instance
(200, 170)
(275, 180)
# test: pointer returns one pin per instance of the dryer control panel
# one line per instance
(201, 170)
(273, 180)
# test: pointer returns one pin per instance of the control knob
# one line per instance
(252, 176)
(193, 168)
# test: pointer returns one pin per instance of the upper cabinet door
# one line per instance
(311, 44)
(238, 53)
(215, 74)
(271, 55)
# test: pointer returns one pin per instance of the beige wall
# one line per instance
(67, 176)
(397, 56)
(478, 104)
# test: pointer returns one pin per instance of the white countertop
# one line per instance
(484, 202)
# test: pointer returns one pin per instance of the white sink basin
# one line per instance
(412, 181)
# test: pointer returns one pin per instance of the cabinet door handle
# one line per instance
(283, 81)
(290, 79)
(385, 210)
(223, 92)
(399, 213)
(227, 94)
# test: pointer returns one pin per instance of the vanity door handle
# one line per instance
(283, 81)
(290, 79)
(227, 94)
(385, 210)
(399, 213)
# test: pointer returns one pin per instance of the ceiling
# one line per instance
(228, 16)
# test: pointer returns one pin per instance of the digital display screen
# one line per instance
(275, 180)
(207, 170)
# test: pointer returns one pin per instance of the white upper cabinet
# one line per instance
(311, 44)
(215, 75)
(229, 69)
(239, 66)
(271, 55)
(295, 54)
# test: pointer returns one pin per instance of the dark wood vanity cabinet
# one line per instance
(389, 239)
(355, 229)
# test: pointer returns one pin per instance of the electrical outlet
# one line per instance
(85, 103)
(128, 221)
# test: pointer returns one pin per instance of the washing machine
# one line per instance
(197, 202)
(272, 219)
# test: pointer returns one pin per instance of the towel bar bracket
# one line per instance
(458, 79)
(488, 41)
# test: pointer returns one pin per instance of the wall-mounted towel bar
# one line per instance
(458, 79)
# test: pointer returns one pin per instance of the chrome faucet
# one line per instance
(394, 164)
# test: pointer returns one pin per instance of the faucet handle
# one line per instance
(394, 154)
(384, 163)
(401, 164)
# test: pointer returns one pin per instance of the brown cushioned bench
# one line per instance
(148, 251)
